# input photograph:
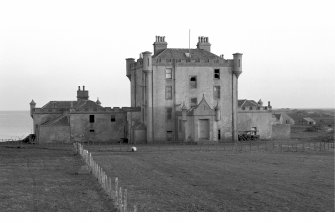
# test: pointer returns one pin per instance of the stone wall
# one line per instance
(281, 131)
(262, 120)
(182, 92)
(54, 134)
(102, 130)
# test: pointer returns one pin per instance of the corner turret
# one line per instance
(147, 61)
(237, 68)
(32, 107)
(98, 102)
(129, 61)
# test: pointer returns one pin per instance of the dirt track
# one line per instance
(34, 178)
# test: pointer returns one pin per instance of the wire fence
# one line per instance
(251, 146)
(111, 186)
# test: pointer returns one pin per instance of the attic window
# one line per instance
(193, 102)
(168, 73)
(193, 82)
(112, 118)
(217, 73)
(91, 118)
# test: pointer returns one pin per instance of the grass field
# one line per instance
(189, 178)
(38, 178)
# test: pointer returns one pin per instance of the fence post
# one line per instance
(110, 188)
(125, 200)
(120, 199)
(116, 190)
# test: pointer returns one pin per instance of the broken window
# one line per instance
(112, 118)
(193, 82)
(216, 73)
(168, 73)
(216, 92)
(193, 102)
(168, 92)
(91, 118)
(168, 113)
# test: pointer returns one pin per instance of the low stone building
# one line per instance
(81, 120)
(254, 116)
(282, 118)
(306, 121)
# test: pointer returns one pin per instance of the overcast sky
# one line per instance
(48, 48)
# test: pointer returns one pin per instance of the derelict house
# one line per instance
(184, 94)
(81, 120)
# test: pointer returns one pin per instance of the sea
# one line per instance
(15, 125)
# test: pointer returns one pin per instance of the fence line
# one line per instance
(114, 191)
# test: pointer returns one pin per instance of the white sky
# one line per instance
(48, 48)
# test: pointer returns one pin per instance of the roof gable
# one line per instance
(202, 109)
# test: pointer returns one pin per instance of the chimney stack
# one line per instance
(203, 43)
(159, 44)
(82, 94)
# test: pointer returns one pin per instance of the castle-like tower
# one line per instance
(184, 94)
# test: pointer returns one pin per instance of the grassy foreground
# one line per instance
(181, 178)
(37, 178)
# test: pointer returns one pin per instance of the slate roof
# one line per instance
(277, 116)
(247, 103)
(82, 104)
(60, 104)
(179, 53)
(308, 119)
(62, 120)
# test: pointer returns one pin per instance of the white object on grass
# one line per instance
(133, 149)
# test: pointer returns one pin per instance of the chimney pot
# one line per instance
(83, 88)
(78, 88)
